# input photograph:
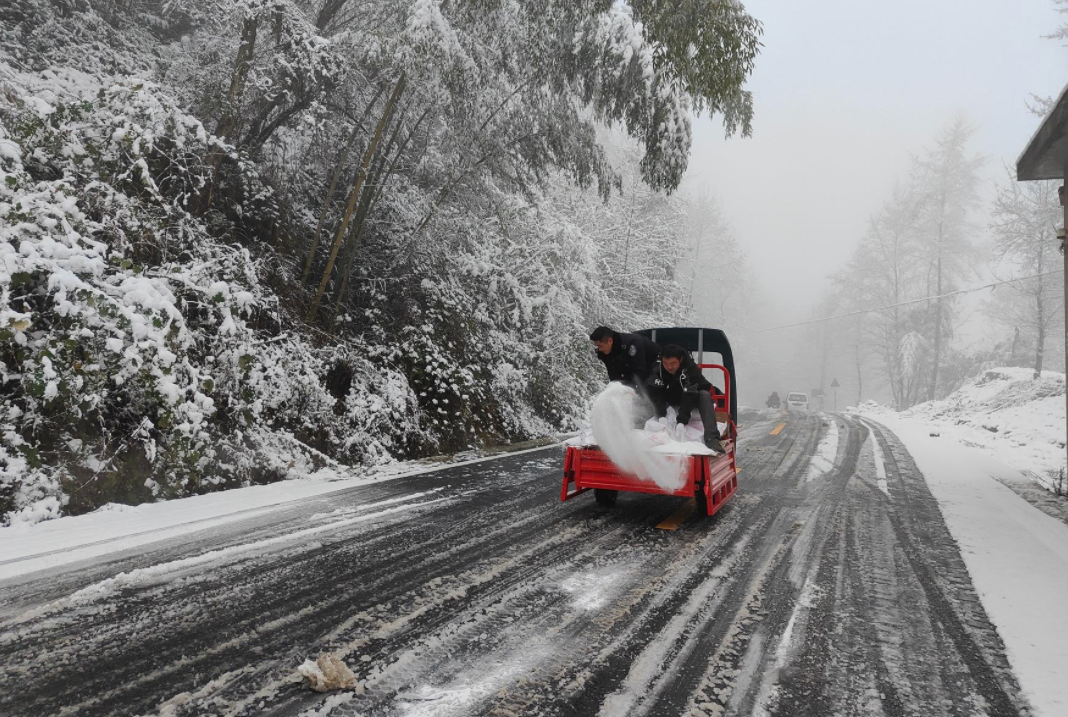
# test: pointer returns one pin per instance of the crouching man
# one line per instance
(677, 381)
(627, 357)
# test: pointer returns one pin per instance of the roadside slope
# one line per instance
(1003, 412)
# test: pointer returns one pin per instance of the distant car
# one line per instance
(797, 400)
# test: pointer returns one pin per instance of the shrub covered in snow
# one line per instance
(133, 368)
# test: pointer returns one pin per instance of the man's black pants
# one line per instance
(706, 406)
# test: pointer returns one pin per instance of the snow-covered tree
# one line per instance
(720, 286)
(1025, 220)
(1061, 33)
(884, 273)
(945, 180)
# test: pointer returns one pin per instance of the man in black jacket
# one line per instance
(677, 381)
(628, 357)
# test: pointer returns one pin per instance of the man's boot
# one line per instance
(713, 443)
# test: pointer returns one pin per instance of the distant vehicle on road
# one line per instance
(797, 400)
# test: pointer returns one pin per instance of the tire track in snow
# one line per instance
(685, 643)
(877, 641)
(766, 650)
(648, 599)
(203, 614)
(934, 559)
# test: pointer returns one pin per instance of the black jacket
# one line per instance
(677, 389)
(631, 359)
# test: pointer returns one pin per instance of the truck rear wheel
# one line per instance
(604, 497)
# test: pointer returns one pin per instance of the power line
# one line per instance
(903, 303)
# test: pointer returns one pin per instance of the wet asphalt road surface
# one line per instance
(819, 590)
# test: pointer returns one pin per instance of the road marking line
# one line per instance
(775, 431)
(673, 521)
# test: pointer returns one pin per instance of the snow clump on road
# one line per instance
(823, 460)
(327, 673)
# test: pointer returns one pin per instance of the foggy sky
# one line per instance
(845, 92)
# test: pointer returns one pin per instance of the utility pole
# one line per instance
(1064, 255)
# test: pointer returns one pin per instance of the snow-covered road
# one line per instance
(829, 585)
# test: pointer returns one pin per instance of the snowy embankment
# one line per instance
(970, 447)
(1003, 412)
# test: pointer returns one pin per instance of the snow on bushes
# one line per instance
(131, 370)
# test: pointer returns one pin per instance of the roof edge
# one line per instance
(1027, 164)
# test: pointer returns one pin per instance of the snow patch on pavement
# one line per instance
(590, 591)
(880, 462)
(805, 601)
(823, 461)
(474, 684)
(328, 705)
(171, 707)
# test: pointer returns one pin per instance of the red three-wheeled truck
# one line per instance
(710, 480)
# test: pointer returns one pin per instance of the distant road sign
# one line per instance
(834, 383)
